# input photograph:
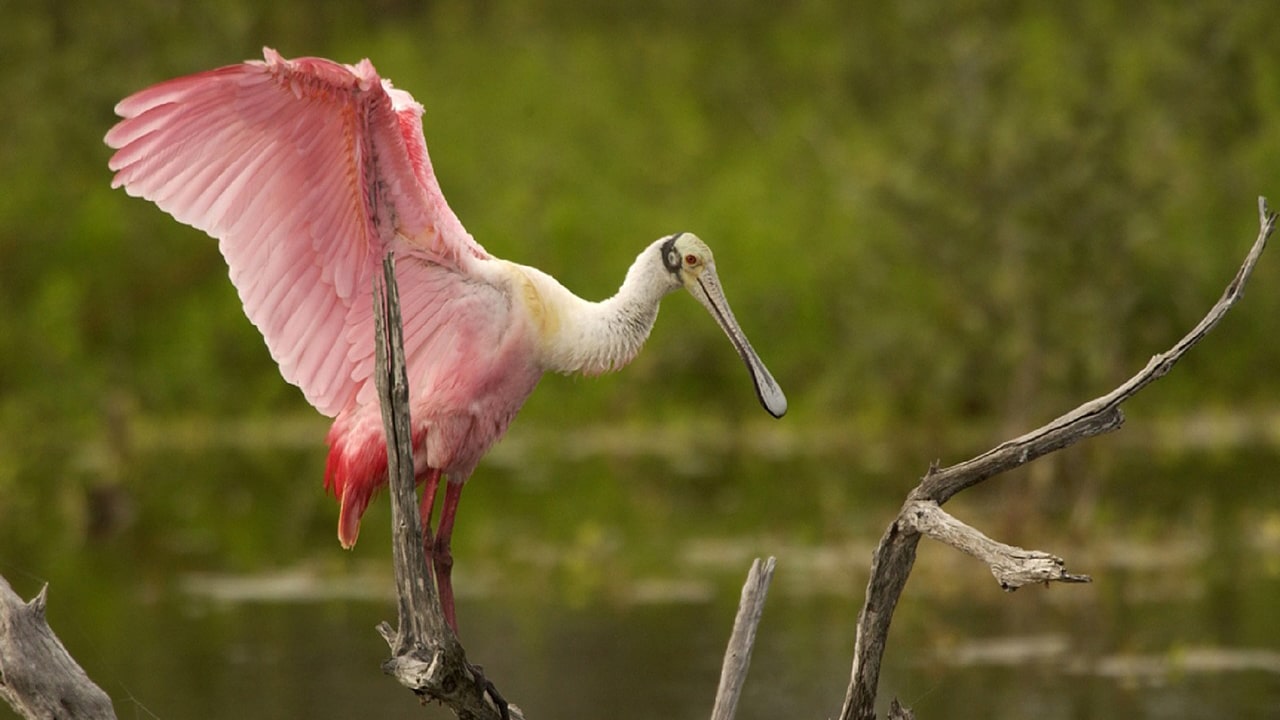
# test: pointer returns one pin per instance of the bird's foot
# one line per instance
(488, 688)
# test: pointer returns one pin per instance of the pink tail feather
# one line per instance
(354, 472)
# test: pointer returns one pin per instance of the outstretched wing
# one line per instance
(305, 171)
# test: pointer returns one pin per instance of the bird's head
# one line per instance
(691, 266)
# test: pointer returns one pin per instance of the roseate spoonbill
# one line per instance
(307, 171)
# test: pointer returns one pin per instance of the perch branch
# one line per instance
(893, 558)
(38, 677)
(737, 656)
(426, 656)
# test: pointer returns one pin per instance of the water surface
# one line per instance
(600, 585)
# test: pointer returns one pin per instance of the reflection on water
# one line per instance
(604, 586)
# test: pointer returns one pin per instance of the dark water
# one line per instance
(605, 587)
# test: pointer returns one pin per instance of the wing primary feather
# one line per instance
(304, 170)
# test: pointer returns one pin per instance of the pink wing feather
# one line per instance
(305, 170)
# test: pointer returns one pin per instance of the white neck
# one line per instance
(596, 337)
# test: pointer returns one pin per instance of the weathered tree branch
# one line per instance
(426, 656)
(737, 656)
(38, 677)
(895, 555)
(1012, 566)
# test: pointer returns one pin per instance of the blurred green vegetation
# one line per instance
(930, 217)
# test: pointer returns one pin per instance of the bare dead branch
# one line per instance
(426, 656)
(1101, 414)
(737, 656)
(895, 555)
(415, 589)
(1012, 566)
(890, 567)
(38, 677)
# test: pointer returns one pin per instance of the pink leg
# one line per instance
(426, 506)
(441, 555)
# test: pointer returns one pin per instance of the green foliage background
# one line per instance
(930, 217)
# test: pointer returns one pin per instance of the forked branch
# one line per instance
(893, 558)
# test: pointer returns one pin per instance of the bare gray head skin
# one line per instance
(690, 261)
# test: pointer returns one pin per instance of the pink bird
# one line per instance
(307, 171)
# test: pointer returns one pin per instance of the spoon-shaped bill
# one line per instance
(706, 288)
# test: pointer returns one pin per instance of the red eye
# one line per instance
(691, 259)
